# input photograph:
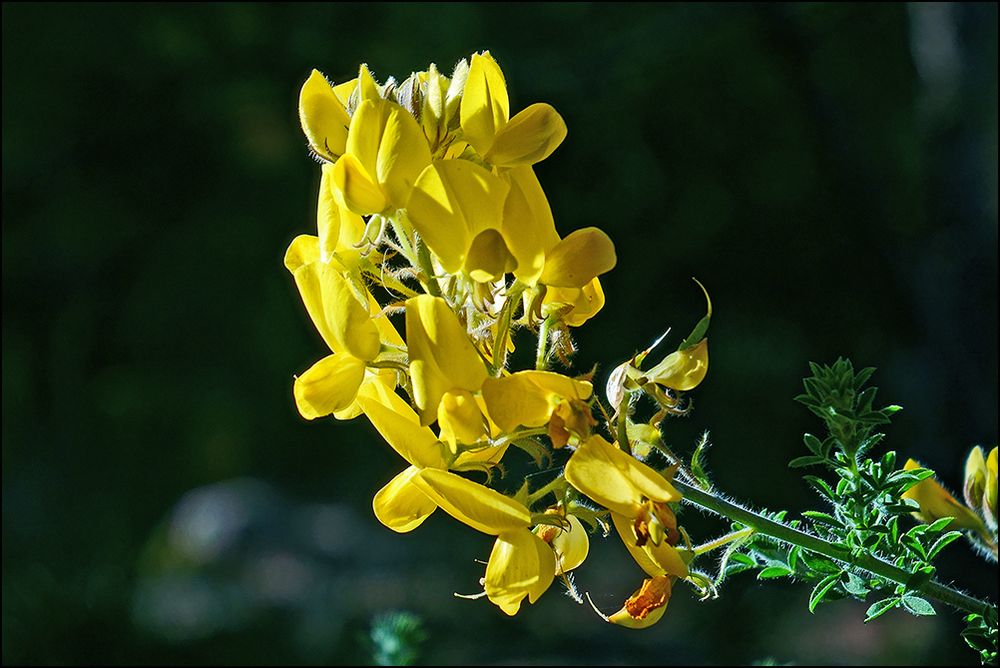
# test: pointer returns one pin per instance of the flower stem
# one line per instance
(427, 267)
(541, 358)
(783, 532)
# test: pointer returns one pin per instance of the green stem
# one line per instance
(541, 358)
(548, 488)
(783, 532)
(427, 267)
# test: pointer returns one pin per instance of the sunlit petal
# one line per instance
(578, 259)
(329, 385)
(400, 505)
(521, 565)
(530, 137)
(473, 504)
(323, 117)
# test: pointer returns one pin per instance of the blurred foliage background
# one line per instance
(828, 171)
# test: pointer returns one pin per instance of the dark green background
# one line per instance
(828, 171)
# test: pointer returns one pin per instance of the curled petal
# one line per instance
(579, 258)
(646, 606)
(488, 258)
(324, 118)
(529, 397)
(400, 505)
(303, 250)
(521, 565)
(477, 506)
(356, 188)
(330, 385)
(683, 369)
(530, 137)
(616, 480)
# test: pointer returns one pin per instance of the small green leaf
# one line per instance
(814, 444)
(918, 606)
(821, 590)
(808, 460)
(822, 486)
(855, 586)
(939, 525)
(880, 608)
(942, 542)
(772, 572)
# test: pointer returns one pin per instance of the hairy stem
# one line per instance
(780, 531)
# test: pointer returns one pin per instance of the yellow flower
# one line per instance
(534, 398)
(682, 369)
(529, 137)
(385, 151)
(457, 208)
(935, 502)
(332, 384)
(637, 497)
(521, 564)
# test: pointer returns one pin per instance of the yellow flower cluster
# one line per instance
(429, 206)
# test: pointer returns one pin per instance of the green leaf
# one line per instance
(880, 608)
(808, 460)
(814, 444)
(918, 606)
(772, 572)
(822, 486)
(942, 542)
(855, 586)
(740, 558)
(938, 525)
(819, 563)
(821, 590)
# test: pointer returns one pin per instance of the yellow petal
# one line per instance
(646, 606)
(654, 559)
(442, 358)
(400, 505)
(399, 426)
(323, 117)
(355, 187)
(683, 369)
(528, 227)
(304, 249)
(485, 105)
(477, 506)
(571, 546)
(578, 305)
(402, 155)
(617, 481)
(578, 259)
(530, 137)
(990, 498)
(521, 565)
(327, 215)
(452, 202)
(365, 136)
(488, 258)
(935, 503)
(342, 321)
(528, 397)
(367, 87)
(343, 91)
(975, 477)
(460, 419)
(329, 385)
